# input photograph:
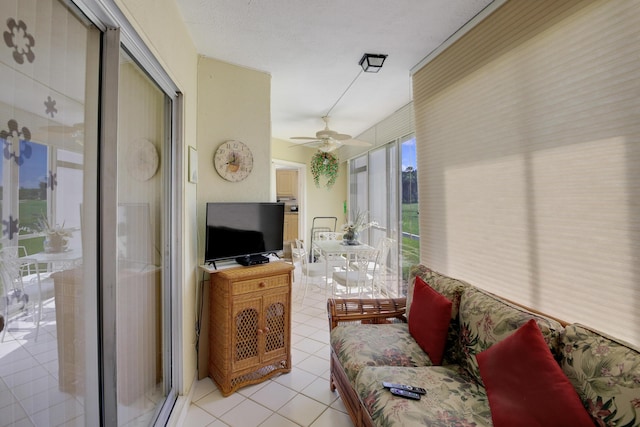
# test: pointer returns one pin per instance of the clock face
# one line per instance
(143, 159)
(233, 161)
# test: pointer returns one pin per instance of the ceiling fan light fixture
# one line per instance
(372, 62)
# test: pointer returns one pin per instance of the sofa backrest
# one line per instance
(486, 319)
(605, 372)
(452, 289)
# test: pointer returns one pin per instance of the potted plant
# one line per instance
(56, 237)
(352, 229)
(323, 163)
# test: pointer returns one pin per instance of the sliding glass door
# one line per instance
(383, 182)
(49, 61)
(88, 202)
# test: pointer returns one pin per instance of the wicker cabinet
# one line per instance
(250, 324)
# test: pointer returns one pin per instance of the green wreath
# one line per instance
(326, 164)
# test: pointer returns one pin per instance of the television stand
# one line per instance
(252, 260)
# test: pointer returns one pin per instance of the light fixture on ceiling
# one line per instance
(372, 62)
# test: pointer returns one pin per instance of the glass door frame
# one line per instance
(118, 33)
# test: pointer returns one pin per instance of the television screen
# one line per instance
(239, 229)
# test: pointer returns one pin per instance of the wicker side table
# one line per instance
(250, 324)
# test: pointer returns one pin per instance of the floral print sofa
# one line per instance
(371, 343)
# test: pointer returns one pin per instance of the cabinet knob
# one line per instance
(262, 285)
(266, 330)
(260, 332)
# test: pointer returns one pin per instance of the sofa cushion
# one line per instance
(605, 372)
(429, 320)
(520, 370)
(486, 319)
(451, 399)
(357, 345)
(451, 289)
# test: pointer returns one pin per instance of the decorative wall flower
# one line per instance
(323, 163)
(10, 227)
(20, 40)
(13, 148)
(50, 106)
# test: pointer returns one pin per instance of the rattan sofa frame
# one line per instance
(374, 311)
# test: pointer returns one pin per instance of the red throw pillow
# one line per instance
(429, 318)
(526, 386)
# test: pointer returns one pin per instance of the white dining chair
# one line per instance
(358, 274)
(380, 269)
(22, 290)
(334, 260)
(310, 270)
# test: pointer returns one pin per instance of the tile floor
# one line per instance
(29, 394)
(299, 398)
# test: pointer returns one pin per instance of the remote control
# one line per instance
(404, 393)
(404, 387)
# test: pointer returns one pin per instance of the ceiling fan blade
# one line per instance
(305, 138)
(313, 143)
(341, 136)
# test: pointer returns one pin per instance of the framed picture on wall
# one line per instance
(193, 165)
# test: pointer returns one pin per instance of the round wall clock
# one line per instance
(143, 159)
(233, 160)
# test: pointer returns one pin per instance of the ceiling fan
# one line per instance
(329, 140)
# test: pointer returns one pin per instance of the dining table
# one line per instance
(334, 249)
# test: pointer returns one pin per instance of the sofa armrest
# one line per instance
(373, 310)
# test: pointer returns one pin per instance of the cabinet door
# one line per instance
(244, 330)
(286, 183)
(290, 227)
(276, 325)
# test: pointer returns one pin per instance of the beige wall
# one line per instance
(233, 104)
(167, 37)
(319, 201)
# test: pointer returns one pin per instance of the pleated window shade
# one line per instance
(528, 139)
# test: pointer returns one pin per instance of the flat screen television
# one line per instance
(244, 231)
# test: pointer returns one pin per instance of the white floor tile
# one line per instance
(297, 379)
(273, 395)
(321, 334)
(202, 388)
(339, 405)
(217, 405)
(247, 413)
(308, 345)
(314, 364)
(319, 323)
(198, 417)
(298, 356)
(250, 390)
(302, 410)
(11, 414)
(305, 330)
(277, 420)
(332, 418)
(320, 391)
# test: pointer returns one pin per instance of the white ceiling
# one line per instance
(311, 49)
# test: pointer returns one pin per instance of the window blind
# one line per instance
(395, 126)
(528, 143)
